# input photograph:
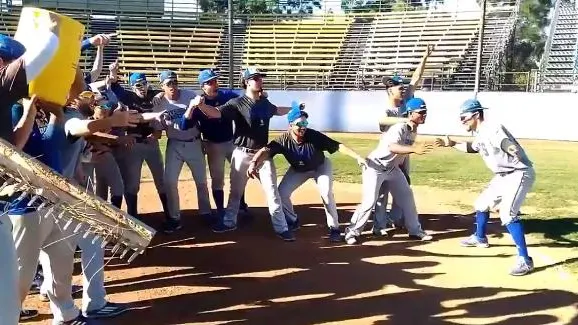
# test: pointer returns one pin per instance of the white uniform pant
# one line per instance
(395, 214)
(240, 162)
(508, 192)
(323, 176)
(178, 153)
(9, 296)
(38, 236)
(373, 178)
(217, 153)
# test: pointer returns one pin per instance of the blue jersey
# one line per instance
(215, 130)
(43, 144)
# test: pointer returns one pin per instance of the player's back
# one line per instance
(488, 142)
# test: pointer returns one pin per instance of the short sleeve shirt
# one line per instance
(307, 155)
(73, 146)
(13, 87)
(488, 142)
(399, 133)
(251, 118)
(174, 112)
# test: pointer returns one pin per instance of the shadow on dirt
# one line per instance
(252, 277)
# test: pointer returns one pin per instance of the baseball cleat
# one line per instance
(423, 236)
(334, 235)
(26, 314)
(287, 235)
(379, 232)
(80, 320)
(111, 309)
(351, 238)
(474, 241)
(522, 266)
(221, 227)
(171, 225)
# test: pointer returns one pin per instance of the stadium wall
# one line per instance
(526, 115)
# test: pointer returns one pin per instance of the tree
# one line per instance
(246, 7)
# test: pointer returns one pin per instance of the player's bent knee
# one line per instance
(481, 205)
(508, 219)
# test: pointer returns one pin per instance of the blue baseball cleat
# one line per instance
(474, 241)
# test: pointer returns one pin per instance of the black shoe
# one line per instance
(335, 235)
(293, 225)
(171, 225)
(26, 314)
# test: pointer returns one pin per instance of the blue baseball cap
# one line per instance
(207, 75)
(415, 105)
(167, 75)
(471, 106)
(136, 77)
(394, 80)
(295, 113)
(10, 49)
(252, 72)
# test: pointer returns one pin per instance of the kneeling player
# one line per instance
(513, 179)
(384, 166)
(303, 148)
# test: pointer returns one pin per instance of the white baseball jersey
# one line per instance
(488, 142)
(175, 110)
(400, 133)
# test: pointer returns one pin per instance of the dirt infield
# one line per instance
(252, 277)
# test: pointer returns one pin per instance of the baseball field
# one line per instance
(251, 277)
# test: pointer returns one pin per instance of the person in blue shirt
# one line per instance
(217, 135)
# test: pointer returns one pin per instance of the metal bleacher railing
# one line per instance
(558, 70)
(351, 49)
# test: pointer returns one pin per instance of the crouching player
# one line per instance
(513, 178)
(303, 148)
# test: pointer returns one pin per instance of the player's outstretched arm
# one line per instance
(257, 161)
(417, 148)
(349, 152)
(391, 120)
(465, 146)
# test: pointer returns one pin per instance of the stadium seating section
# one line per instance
(559, 63)
(297, 52)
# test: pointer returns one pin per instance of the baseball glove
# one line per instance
(66, 201)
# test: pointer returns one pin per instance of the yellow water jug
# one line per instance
(55, 79)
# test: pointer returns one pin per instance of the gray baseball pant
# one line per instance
(373, 178)
(9, 302)
(40, 238)
(382, 218)
(108, 176)
(240, 161)
(191, 153)
(323, 176)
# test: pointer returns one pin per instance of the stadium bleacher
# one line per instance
(296, 52)
(302, 52)
(558, 68)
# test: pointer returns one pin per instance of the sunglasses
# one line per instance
(302, 124)
(211, 82)
(171, 83)
(140, 85)
(467, 117)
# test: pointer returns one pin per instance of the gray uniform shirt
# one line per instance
(488, 142)
(399, 133)
(171, 122)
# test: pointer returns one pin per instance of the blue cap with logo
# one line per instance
(10, 49)
(251, 72)
(167, 75)
(471, 106)
(295, 113)
(136, 78)
(207, 75)
(394, 80)
(415, 105)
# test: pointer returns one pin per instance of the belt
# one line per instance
(188, 140)
(247, 150)
(511, 171)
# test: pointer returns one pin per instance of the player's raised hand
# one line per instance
(429, 49)
(423, 148)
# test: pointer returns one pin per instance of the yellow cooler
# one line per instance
(54, 81)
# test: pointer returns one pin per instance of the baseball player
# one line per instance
(303, 148)
(17, 67)
(398, 94)
(513, 178)
(251, 114)
(217, 136)
(146, 149)
(183, 146)
(384, 166)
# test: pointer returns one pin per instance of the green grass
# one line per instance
(553, 199)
